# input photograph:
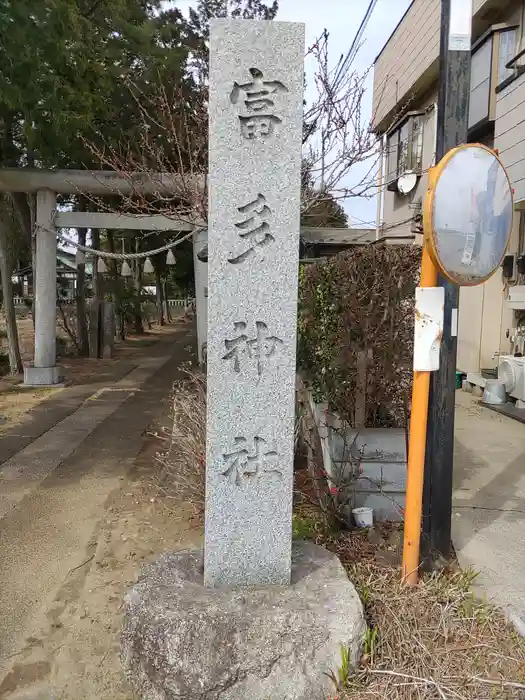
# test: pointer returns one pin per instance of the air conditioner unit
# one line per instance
(511, 372)
(516, 297)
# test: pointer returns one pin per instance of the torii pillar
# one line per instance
(45, 371)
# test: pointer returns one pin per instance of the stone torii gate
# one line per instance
(46, 184)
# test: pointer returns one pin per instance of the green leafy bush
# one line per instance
(356, 326)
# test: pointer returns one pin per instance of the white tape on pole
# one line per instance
(454, 323)
(428, 328)
(460, 34)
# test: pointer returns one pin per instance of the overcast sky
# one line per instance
(342, 19)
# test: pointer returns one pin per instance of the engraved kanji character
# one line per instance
(258, 92)
(243, 465)
(259, 104)
(255, 229)
(263, 345)
(258, 348)
(237, 346)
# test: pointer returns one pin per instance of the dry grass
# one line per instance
(181, 467)
(436, 641)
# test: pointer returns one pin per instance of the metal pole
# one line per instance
(452, 116)
(416, 450)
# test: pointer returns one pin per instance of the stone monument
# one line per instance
(251, 618)
(256, 125)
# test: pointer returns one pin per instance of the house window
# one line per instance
(481, 68)
(416, 144)
(402, 149)
(392, 145)
(405, 148)
(507, 51)
(490, 56)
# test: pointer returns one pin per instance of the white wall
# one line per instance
(484, 318)
(510, 133)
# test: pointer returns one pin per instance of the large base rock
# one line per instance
(186, 642)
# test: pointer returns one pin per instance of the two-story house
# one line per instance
(405, 116)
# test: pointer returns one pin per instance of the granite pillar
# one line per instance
(256, 121)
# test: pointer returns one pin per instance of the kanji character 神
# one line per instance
(258, 348)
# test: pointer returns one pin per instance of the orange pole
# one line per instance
(416, 450)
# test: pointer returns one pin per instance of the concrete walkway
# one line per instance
(488, 524)
(53, 490)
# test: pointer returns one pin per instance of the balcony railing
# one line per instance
(514, 63)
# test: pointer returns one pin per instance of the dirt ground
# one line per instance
(16, 402)
(74, 655)
(433, 641)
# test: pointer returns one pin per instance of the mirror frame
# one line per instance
(434, 175)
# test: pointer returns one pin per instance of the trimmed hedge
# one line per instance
(356, 328)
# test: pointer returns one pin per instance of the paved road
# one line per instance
(488, 524)
(52, 492)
